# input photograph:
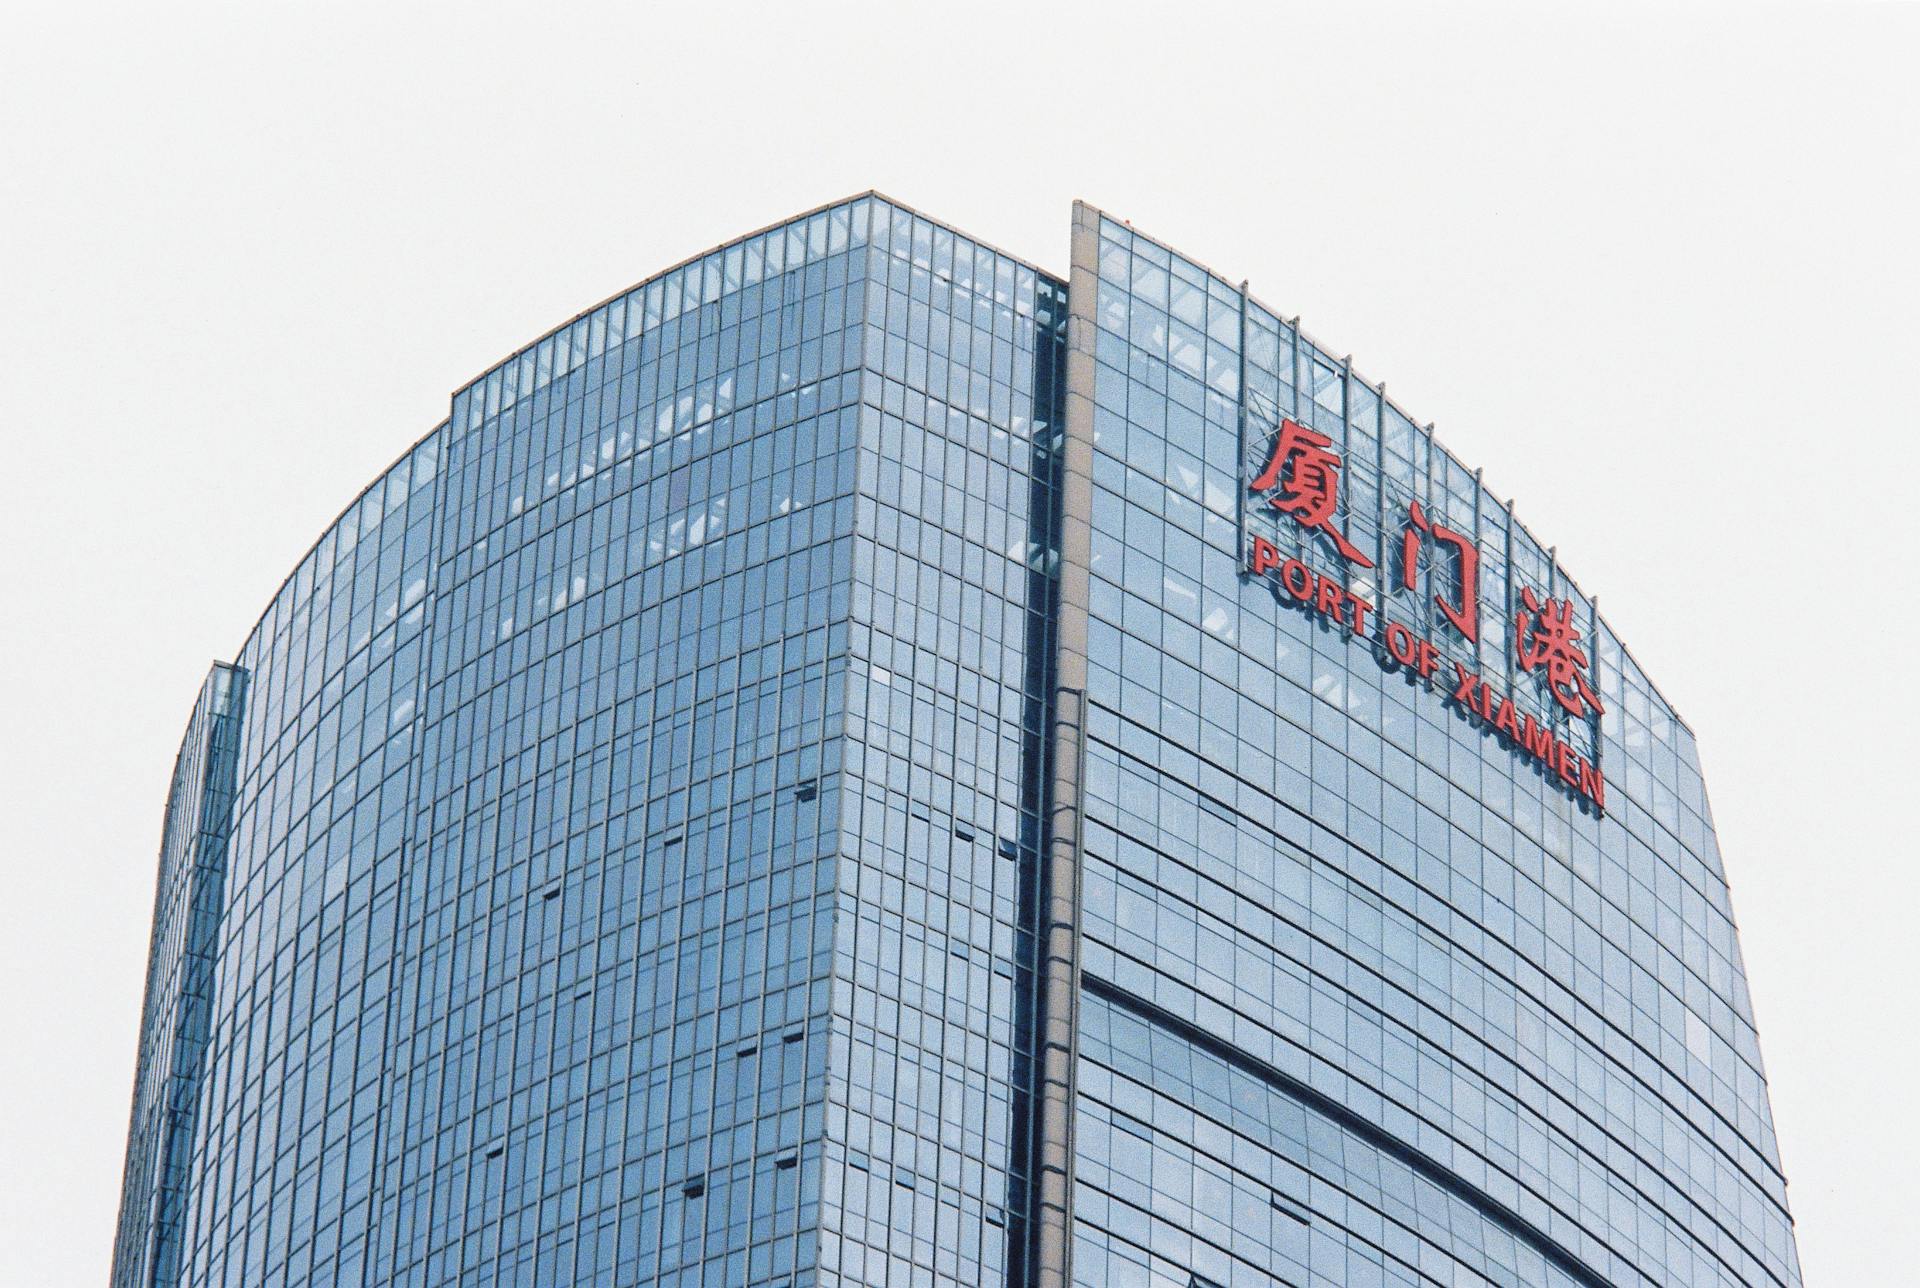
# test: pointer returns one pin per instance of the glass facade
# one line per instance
(792, 784)
(1371, 999)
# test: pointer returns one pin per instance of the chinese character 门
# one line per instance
(1466, 616)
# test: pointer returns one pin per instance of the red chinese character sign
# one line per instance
(1303, 476)
(1307, 474)
(1545, 639)
(1465, 614)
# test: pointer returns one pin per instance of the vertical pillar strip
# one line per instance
(1056, 1040)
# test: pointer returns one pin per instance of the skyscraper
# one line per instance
(859, 761)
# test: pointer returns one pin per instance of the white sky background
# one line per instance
(1653, 268)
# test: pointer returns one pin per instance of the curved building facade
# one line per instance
(861, 762)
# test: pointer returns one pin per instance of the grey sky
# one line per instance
(1653, 267)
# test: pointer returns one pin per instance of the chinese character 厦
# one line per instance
(1310, 490)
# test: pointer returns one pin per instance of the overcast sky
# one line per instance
(1654, 270)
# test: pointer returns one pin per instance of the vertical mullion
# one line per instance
(1299, 538)
(1346, 447)
(1479, 644)
(1506, 624)
(1240, 463)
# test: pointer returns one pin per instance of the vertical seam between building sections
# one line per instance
(1056, 1048)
